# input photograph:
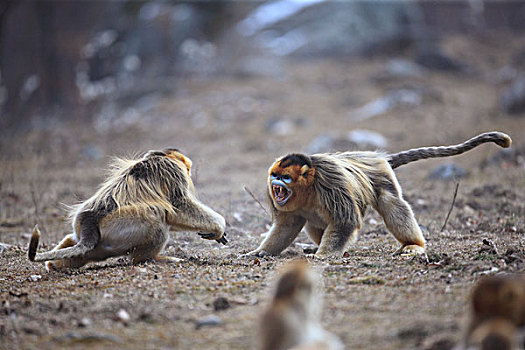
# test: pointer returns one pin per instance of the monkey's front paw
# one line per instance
(410, 250)
(219, 237)
(324, 254)
(257, 253)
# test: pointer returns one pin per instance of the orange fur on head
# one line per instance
(302, 178)
(180, 157)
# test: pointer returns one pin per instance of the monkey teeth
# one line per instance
(281, 193)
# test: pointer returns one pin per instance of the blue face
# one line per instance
(280, 191)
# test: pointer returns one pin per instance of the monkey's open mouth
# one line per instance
(281, 192)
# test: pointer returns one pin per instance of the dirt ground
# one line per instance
(233, 128)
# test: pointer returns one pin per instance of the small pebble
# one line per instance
(84, 322)
(123, 316)
(221, 303)
(35, 278)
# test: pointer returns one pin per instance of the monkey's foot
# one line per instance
(409, 250)
(58, 265)
(50, 266)
(310, 250)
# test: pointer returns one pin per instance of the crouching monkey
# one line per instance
(131, 214)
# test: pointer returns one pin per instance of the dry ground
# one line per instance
(372, 299)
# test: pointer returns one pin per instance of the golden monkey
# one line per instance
(292, 319)
(131, 214)
(498, 311)
(329, 193)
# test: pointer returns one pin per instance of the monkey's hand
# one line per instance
(209, 235)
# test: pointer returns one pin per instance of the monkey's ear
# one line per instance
(308, 173)
(187, 161)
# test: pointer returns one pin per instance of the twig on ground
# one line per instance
(451, 206)
(255, 199)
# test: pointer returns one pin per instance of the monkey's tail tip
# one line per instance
(33, 244)
(503, 140)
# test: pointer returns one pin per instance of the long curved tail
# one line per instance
(405, 157)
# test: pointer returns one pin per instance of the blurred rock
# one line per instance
(513, 98)
(84, 322)
(266, 66)
(35, 278)
(397, 98)
(511, 156)
(209, 321)
(220, 304)
(283, 126)
(317, 27)
(400, 68)
(448, 171)
(437, 60)
(353, 140)
(123, 316)
(367, 139)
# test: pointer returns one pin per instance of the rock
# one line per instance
(509, 156)
(402, 97)
(5, 246)
(403, 68)
(367, 138)
(209, 321)
(35, 278)
(354, 140)
(512, 100)
(436, 60)
(84, 322)
(448, 171)
(317, 27)
(265, 66)
(283, 126)
(399, 68)
(220, 304)
(123, 316)
(321, 143)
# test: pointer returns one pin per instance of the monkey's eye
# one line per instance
(273, 176)
(287, 179)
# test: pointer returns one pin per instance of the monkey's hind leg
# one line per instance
(154, 240)
(400, 220)
(67, 241)
(336, 240)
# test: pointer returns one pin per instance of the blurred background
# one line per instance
(69, 60)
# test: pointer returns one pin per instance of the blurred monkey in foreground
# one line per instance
(498, 313)
(292, 321)
(131, 214)
(329, 194)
